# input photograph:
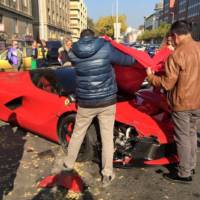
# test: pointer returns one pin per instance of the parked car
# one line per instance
(139, 47)
(43, 102)
(52, 55)
(151, 50)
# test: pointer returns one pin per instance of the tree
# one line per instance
(105, 25)
(157, 33)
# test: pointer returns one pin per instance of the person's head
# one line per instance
(87, 33)
(15, 44)
(34, 44)
(180, 30)
(68, 42)
(43, 43)
(169, 40)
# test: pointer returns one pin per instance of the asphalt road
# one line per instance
(26, 158)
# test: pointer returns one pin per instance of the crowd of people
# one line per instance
(39, 54)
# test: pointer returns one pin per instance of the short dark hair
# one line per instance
(87, 32)
(181, 27)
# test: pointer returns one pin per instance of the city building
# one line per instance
(189, 10)
(150, 22)
(78, 17)
(132, 34)
(169, 11)
(16, 20)
(51, 19)
(158, 14)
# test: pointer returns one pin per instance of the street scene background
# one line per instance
(40, 29)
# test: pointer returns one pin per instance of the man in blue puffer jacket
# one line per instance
(96, 94)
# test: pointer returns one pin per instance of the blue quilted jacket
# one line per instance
(93, 59)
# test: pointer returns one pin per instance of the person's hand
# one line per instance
(149, 71)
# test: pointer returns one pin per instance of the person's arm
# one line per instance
(20, 59)
(120, 58)
(170, 78)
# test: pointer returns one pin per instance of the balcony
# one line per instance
(75, 25)
(74, 16)
(74, 7)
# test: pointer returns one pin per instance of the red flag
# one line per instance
(171, 3)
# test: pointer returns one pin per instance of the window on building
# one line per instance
(7, 2)
(53, 14)
(15, 25)
(25, 3)
(27, 29)
(19, 5)
(193, 8)
(182, 6)
(2, 1)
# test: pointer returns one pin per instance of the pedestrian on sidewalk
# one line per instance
(42, 54)
(96, 96)
(182, 80)
(14, 56)
(34, 55)
(63, 57)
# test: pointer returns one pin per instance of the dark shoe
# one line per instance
(107, 180)
(177, 179)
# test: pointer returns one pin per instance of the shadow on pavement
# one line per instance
(61, 193)
(198, 141)
(11, 152)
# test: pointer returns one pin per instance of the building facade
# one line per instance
(16, 19)
(189, 10)
(78, 17)
(169, 11)
(158, 14)
(150, 22)
(51, 19)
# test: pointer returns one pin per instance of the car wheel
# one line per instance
(65, 131)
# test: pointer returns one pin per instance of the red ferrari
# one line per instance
(43, 102)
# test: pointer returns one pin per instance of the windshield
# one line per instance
(60, 81)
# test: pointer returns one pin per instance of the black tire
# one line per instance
(65, 131)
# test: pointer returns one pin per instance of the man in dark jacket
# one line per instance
(182, 81)
(96, 93)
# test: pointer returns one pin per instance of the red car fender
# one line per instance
(67, 107)
(145, 125)
(5, 113)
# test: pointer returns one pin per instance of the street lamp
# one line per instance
(116, 25)
(117, 20)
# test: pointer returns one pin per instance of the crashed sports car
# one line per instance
(44, 102)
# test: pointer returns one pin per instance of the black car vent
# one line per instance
(15, 103)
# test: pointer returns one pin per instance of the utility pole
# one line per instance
(117, 20)
(113, 10)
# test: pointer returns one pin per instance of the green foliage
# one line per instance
(158, 33)
(105, 25)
